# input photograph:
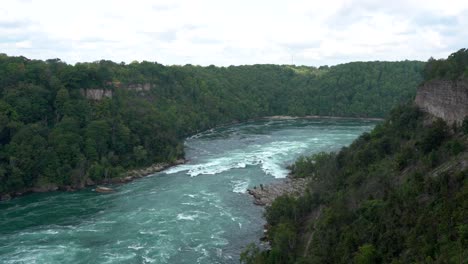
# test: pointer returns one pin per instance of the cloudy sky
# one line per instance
(233, 32)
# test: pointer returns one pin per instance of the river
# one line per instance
(197, 212)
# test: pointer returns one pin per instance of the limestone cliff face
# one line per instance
(139, 87)
(96, 94)
(445, 99)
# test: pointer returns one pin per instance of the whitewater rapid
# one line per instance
(271, 154)
(197, 212)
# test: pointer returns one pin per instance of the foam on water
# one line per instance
(240, 186)
(270, 157)
(170, 217)
(182, 216)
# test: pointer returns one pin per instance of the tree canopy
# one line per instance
(51, 133)
(396, 195)
(452, 68)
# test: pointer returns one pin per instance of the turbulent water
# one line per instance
(193, 213)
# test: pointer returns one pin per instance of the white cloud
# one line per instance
(26, 44)
(233, 32)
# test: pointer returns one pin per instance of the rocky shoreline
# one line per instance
(283, 117)
(264, 195)
(140, 173)
(126, 178)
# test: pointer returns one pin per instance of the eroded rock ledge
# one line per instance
(445, 99)
(264, 195)
(99, 93)
(153, 169)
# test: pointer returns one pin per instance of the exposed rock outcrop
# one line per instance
(96, 94)
(138, 87)
(264, 195)
(138, 173)
(102, 189)
(45, 188)
(445, 99)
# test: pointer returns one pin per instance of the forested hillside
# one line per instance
(452, 68)
(398, 194)
(51, 134)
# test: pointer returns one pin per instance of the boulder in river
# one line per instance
(128, 179)
(102, 189)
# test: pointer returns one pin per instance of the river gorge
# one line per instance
(196, 212)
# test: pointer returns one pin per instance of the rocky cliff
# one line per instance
(96, 94)
(138, 87)
(445, 99)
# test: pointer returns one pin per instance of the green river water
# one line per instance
(192, 213)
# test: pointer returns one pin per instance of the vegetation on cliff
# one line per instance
(397, 195)
(452, 68)
(51, 135)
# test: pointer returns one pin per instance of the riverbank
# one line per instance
(127, 177)
(285, 117)
(138, 173)
(264, 195)
(171, 208)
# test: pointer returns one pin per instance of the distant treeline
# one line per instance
(51, 134)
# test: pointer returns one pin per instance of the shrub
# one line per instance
(434, 136)
(465, 126)
(366, 255)
(455, 146)
(403, 158)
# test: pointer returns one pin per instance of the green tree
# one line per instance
(61, 100)
(366, 255)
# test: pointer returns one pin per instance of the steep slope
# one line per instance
(397, 195)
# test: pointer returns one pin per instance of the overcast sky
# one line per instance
(234, 32)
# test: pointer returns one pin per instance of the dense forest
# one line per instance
(398, 194)
(395, 195)
(53, 133)
(452, 68)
